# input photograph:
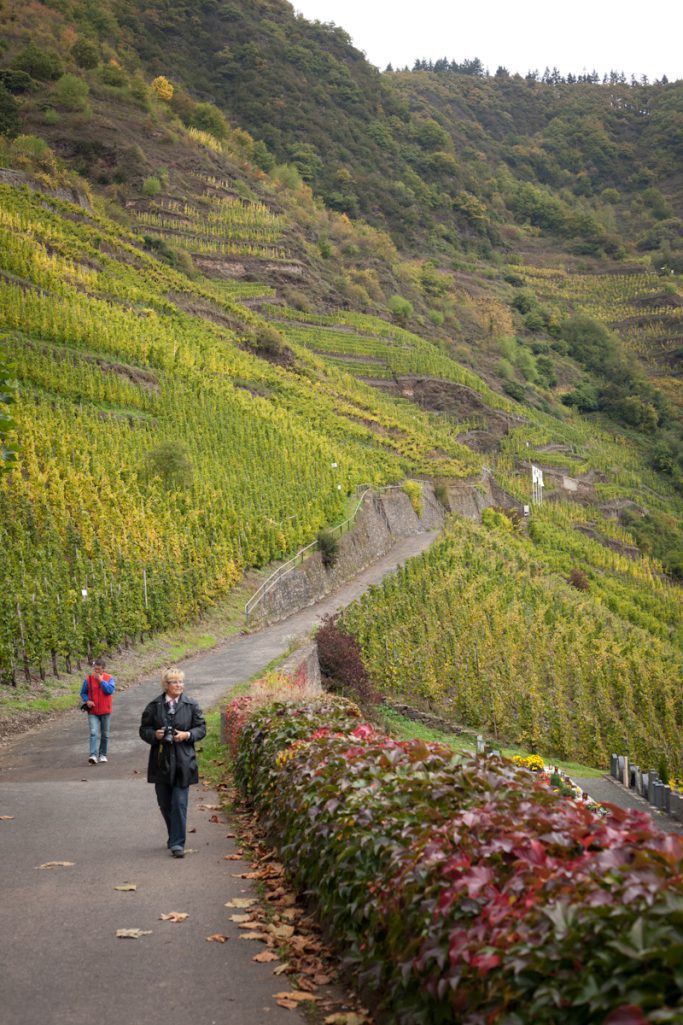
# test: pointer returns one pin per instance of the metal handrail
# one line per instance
(287, 567)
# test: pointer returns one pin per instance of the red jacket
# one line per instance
(99, 693)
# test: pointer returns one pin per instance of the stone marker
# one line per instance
(676, 805)
(626, 773)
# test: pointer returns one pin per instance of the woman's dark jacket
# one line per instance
(175, 764)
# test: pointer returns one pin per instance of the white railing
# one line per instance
(297, 559)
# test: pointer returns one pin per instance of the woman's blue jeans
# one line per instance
(99, 732)
(172, 803)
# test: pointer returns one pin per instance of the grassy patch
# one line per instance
(406, 729)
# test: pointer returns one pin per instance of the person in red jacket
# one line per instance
(96, 694)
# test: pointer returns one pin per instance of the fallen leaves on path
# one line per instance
(297, 995)
(233, 857)
(217, 937)
(346, 1018)
(240, 902)
(240, 919)
(210, 807)
(6, 818)
(263, 936)
(175, 916)
(57, 864)
(265, 955)
(127, 887)
(132, 934)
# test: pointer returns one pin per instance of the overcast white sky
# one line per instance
(634, 37)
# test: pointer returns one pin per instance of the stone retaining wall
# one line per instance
(383, 519)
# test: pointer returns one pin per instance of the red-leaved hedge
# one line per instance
(466, 890)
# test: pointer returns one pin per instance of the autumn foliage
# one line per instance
(467, 890)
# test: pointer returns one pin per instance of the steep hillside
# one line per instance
(210, 360)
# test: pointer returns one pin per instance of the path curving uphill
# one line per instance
(62, 963)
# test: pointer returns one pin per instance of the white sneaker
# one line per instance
(103, 758)
(93, 760)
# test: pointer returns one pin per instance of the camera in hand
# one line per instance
(168, 734)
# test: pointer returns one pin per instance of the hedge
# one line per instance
(466, 889)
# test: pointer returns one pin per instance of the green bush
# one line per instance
(328, 546)
(10, 119)
(112, 74)
(17, 82)
(170, 462)
(86, 54)
(45, 65)
(51, 116)
(401, 309)
(208, 118)
(71, 92)
(151, 186)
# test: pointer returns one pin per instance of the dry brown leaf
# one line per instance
(127, 887)
(6, 818)
(296, 994)
(291, 914)
(132, 934)
(255, 936)
(230, 836)
(240, 918)
(175, 916)
(57, 864)
(232, 857)
(282, 968)
(282, 932)
(217, 938)
(306, 984)
(210, 807)
(214, 818)
(265, 955)
(240, 902)
(291, 1005)
(251, 923)
(346, 1018)
(322, 980)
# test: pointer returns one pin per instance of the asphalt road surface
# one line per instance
(62, 963)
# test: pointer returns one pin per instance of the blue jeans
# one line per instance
(99, 730)
(173, 806)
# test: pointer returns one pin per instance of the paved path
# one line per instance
(61, 962)
(606, 790)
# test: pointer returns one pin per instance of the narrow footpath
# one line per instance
(62, 963)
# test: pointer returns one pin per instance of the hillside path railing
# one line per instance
(296, 560)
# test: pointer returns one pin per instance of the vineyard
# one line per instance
(486, 628)
(101, 542)
(646, 310)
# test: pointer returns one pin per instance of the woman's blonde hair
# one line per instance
(171, 674)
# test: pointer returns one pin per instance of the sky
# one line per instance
(525, 35)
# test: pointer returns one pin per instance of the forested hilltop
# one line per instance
(243, 273)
